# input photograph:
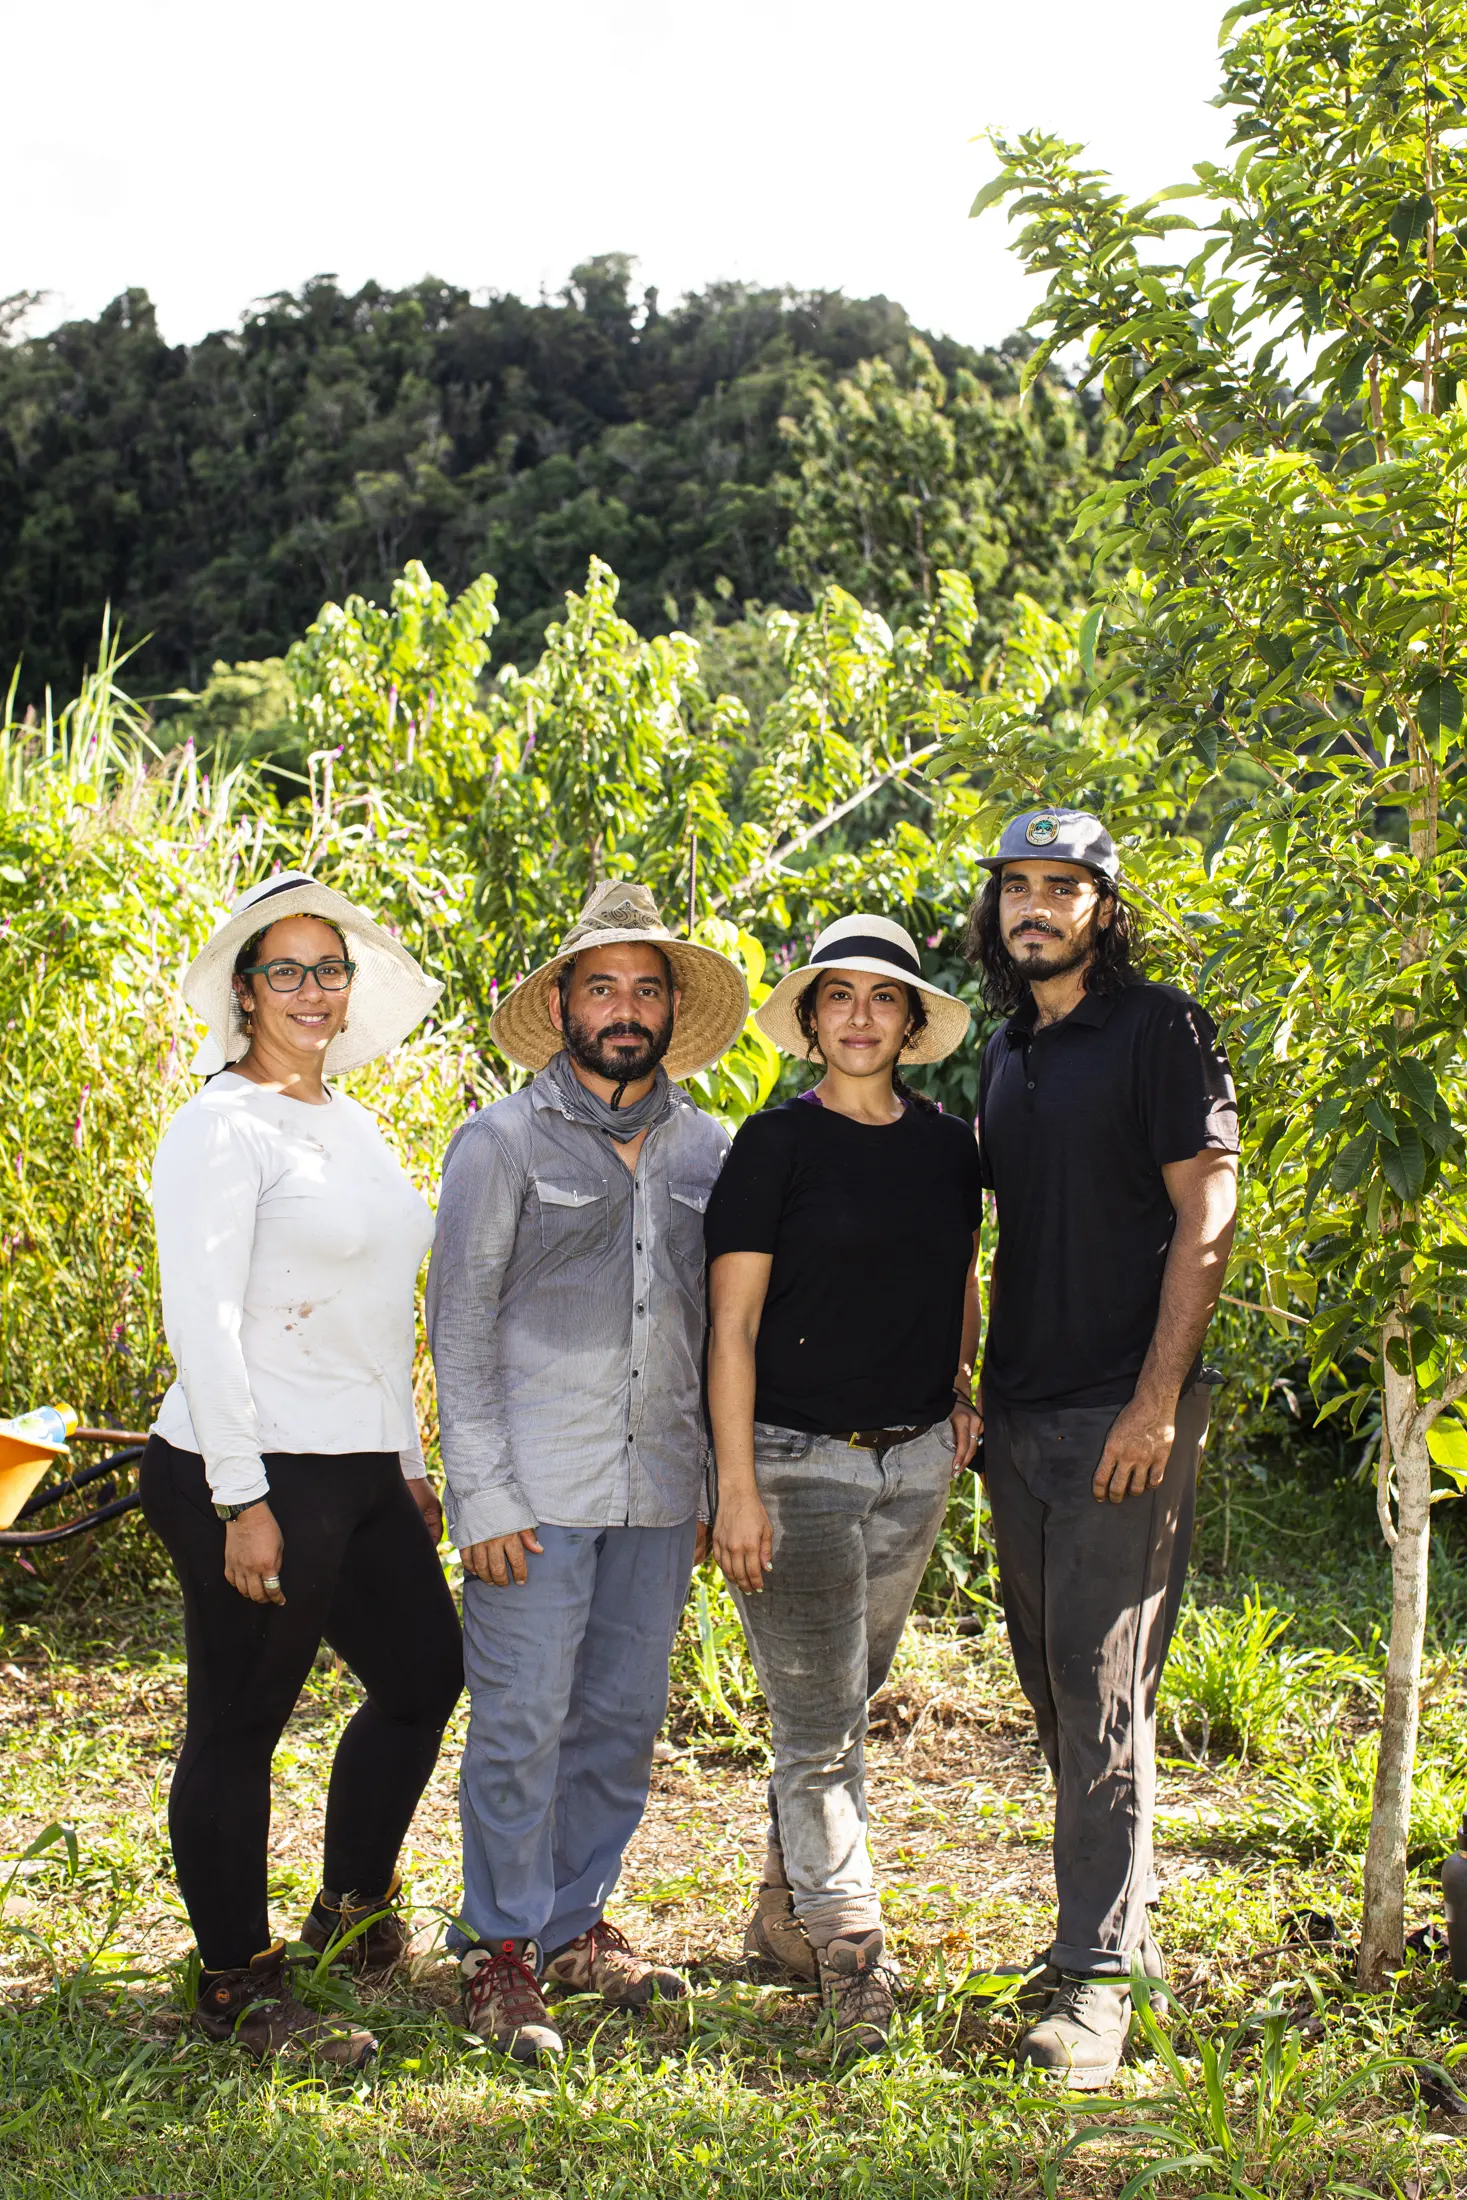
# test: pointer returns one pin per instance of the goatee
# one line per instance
(597, 1052)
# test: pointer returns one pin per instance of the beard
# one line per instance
(610, 1052)
(1062, 958)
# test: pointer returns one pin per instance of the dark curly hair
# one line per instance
(1119, 946)
(916, 1025)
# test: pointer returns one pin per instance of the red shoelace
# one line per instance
(510, 1977)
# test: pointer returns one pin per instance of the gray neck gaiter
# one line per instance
(583, 1106)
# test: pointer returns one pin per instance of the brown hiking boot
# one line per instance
(859, 1990)
(378, 1948)
(774, 1935)
(254, 2008)
(503, 2002)
(1082, 2034)
(603, 1961)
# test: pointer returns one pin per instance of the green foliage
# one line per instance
(900, 471)
(1233, 1684)
(216, 492)
(1320, 1805)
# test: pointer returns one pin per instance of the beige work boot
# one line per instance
(503, 2003)
(774, 1935)
(254, 2008)
(859, 1991)
(1082, 2034)
(603, 1961)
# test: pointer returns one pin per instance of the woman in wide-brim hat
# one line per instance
(843, 1242)
(285, 1473)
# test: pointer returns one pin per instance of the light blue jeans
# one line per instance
(567, 1683)
(853, 1531)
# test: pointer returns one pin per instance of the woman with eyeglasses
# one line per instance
(285, 1473)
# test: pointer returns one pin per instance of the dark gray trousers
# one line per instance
(1091, 1592)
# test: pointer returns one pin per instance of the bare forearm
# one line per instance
(972, 1330)
(731, 1386)
(1196, 1266)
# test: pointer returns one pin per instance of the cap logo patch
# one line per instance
(1040, 831)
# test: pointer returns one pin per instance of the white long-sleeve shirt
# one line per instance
(289, 1243)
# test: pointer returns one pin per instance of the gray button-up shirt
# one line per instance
(566, 1311)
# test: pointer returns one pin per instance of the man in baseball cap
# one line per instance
(1108, 1134)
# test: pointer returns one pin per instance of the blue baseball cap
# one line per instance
(1070, 836)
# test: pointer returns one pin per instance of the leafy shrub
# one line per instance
(1321, 1806)
(1232, 1685)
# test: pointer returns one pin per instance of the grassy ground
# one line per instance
(1274, 2076)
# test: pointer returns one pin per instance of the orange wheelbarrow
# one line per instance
(22, 1466)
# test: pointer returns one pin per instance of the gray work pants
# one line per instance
(567, 1676)
(1091, 1592)
(853, 1531)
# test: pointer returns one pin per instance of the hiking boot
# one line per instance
(503, 2002)
(332, 1917)
(1082, 2034)
(859, 1990)
(774, 1935)
(254, 2008)
(1041, 1981)
(603, 1961)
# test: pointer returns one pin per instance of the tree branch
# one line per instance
(806, 833)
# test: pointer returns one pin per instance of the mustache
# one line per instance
(1037, 926)
(625, 1031)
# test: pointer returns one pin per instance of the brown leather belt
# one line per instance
(882, 1439)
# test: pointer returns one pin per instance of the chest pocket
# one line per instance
(572, 1216)
(685, 1207)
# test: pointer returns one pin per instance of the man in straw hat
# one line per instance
(1109, 1136)
(566, 1311)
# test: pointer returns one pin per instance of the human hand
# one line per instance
(425, 1497)
(967, 1428)
(743, 1541)
(700, 1543)
(253, 1551)
(502, 1557)
(1136, 1450)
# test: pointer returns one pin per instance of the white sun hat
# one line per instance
(389, 993)
(715, 998)
(884, 950)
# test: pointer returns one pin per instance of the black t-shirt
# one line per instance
(871, 1231)
(1075, 1123)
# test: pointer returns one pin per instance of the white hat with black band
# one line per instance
(883, 949)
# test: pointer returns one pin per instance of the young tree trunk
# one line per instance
(1382, 1941)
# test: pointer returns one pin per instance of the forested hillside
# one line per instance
(216, 493)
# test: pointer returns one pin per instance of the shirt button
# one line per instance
(639, 1245)
(1031, 1084)
(641, 1308)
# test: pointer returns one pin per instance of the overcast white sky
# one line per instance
(210, 151)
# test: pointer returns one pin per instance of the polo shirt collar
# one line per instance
(1092, 1009)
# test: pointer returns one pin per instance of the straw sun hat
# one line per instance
(715, 999)
(885, 950)
(389, 993)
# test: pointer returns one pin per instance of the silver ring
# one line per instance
(272, 1581)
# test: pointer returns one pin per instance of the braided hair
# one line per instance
(916, 1024)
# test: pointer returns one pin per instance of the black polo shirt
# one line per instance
(1075, 1123)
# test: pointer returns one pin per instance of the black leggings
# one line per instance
(360, 1573)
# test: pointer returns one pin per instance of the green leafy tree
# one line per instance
(900, 471)
(1291, 592)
